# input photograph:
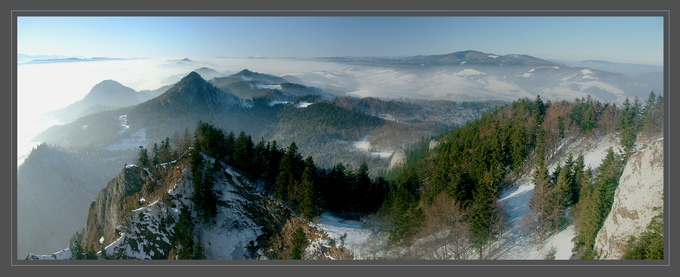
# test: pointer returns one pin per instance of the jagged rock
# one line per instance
(108, 211)
(398, 160)
(433, 144)
(638, 198)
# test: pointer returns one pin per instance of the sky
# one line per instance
(633, 39)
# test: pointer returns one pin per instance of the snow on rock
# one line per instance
(233, 230)
(65, 254)
(638, 198)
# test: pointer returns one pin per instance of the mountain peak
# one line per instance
(193, 74)
(192, 78)
(245, 72)
(108, 91)
(192, 89)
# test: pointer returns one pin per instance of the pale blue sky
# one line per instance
(616, 39)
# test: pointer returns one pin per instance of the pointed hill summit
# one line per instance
(104, 96)
(247, 84)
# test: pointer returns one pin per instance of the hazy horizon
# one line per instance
(622, 39)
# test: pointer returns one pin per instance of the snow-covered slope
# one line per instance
(519, 243)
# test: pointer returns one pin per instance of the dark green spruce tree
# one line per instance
(484, 213)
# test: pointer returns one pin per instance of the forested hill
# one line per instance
(455, 186)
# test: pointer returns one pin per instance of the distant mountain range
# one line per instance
(624, 68)
(475, 76)
(468, 57)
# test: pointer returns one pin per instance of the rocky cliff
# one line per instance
(138, 213)
(134, 187)
(639, 197)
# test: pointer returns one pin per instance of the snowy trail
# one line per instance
(517, 243)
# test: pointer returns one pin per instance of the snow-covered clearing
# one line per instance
(261, 86)
(277, 102)
(364, 145)
(303, 104)
(355, 234)
(136, 139)
(468, 72)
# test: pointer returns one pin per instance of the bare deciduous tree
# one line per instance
(446, 229)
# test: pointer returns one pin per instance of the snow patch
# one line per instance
(277, 102)
(246, 103)
(262, 86)
(303, 104)
(122, 120)
(355, 235)
(468, 72)
(362, 144)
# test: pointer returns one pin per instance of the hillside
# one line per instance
(531, 180)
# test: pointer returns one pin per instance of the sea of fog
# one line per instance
(48, 86)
